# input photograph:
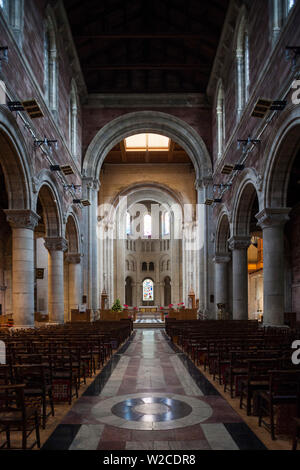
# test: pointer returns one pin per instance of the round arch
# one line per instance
(244, 197)
(222, 233)
(51, 210)
(147, 121)
(279, 157)
(72, 235)
(14, 161)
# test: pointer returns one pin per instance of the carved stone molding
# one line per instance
(273, 217)
(73, 258)
(222, 258)
(22, 218)
(239, 243)
(91, 183)
(56, 244)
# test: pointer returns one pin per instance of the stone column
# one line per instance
(221, 278)
(74, 287)
(22, 223)
(272, 222)
(56, 247)
(206, 245)
(239, 246)
(90, 191)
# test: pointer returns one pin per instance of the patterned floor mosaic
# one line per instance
(151, 396)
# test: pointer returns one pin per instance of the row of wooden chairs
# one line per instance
(251, 363)
(36, 360)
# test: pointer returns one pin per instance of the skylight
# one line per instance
(147, 142)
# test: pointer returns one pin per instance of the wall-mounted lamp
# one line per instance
(245, 142)
(49, 143)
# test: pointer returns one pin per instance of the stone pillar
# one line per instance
(239, 246)
(206, 245)
(56, 248)
(90, 191)
(74, 287)
(22, 223)
(272, 222)
(221, 278)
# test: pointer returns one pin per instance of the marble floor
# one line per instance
(150, 396)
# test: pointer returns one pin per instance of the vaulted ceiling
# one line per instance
(146, 46)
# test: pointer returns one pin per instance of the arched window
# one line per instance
(151, 266)
(280, 11)
(127, 265)
(242, 61)
(14, 11)
(50, 65)
(148, 291)
(144, 266)
(220, 120)
(147, 225)
(128, 224)
(166, 223)
(73, 119)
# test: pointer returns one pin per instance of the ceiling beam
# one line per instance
(99, 67)
(187, 36)
(123, 151)
(171, 151)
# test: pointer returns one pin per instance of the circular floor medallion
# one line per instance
(151, 409)
(160, 411)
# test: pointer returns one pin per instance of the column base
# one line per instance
(270, 325)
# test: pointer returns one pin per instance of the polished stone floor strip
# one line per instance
(150, 396)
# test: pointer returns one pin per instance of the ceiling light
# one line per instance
(263, 106)
(31, 107)
(66, 169)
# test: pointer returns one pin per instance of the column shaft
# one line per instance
(239, 247)
(23, 223)
(56, 248)
(272, 222)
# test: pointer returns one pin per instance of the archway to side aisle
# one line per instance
(246, 245)
(280, 223)
(17, 224)
(98, 163)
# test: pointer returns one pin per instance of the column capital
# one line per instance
(56, 244)
(22, 218)
(273, 217)
(240, 242)
(204, 182)
(222, 258)
(91, 183)
(73, 258)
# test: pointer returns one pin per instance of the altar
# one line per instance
(151, 312)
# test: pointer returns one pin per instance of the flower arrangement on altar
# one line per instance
(171, 306)
(135, 309)
(126, 306)
(181, 306)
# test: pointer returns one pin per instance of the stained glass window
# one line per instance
(148, 293)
